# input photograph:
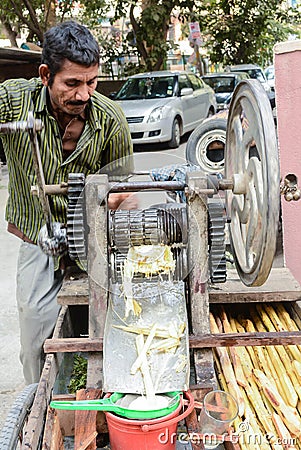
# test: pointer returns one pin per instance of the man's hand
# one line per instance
(122, 201)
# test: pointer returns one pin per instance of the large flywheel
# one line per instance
(251, 161)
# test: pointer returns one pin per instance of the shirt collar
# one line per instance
(42, 100)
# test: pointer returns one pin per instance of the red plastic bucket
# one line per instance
(152, 434)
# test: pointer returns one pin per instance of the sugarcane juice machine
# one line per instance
(247, 197)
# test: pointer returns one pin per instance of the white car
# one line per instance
(270, 76)
(162, 106)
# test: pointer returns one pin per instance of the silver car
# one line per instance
(162, 106)
(223, 84)
(254, 72)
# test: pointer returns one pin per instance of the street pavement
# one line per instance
(11, 377)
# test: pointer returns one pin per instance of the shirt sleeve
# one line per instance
(6, 111)
(118, 161)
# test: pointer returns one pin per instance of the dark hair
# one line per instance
(72, 41)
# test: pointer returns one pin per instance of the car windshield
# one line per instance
(270, 74)
(220, 84)
(255, 73)
(148, 87)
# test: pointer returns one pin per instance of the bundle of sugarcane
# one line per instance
(264, 380)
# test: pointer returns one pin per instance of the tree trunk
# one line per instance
(50, 18)
(10, 33)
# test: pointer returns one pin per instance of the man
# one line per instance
(83, 131)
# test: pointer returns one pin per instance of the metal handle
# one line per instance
(39, 171)
(24, 125)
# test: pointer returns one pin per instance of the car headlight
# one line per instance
(267, 87)
(156, 114)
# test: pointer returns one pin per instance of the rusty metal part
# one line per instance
(53, 242)
(289, 188)
(131, 186)
(31, 129)
(52, 189)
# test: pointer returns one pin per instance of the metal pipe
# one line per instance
(225, 184)
(23, 125)
(133, 186)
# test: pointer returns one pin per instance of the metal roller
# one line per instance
(164, 224)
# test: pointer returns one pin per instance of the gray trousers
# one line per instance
(37, 288)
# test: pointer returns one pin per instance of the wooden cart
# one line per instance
(84, 299)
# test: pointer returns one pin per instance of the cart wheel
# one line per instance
(12, 432)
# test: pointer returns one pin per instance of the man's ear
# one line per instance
(44, 73)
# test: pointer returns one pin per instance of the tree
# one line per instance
(150, 27)
(245, 31)
(234, 31)
(36, 16)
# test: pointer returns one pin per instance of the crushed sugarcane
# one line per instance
(147, 260)
(142, 351)
(160, 332)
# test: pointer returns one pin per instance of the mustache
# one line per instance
(76, 103)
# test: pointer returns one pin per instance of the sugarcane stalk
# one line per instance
(145, 370)
(251, 418)
(287, 387)
(289, 322)
(285, 316)
(245, 359)
(239, 374)
(219, 372)
(252, 391)
(269, 367)
(259, 353)
(241, 329)
(297, 369)
(284, 357)
(283, 432)
(228, 370)
(249, 415)
(142, 352)
(279, 326)
(288, 415)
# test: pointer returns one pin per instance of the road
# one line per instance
(11, 378)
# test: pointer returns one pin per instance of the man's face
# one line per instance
(72, 86)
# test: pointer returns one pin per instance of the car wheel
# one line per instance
(206, 145)
(175, 134)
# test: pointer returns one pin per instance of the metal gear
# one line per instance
(216, 241)
(76, 217)
(163, 224)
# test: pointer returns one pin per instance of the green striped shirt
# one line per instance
(104, 144)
